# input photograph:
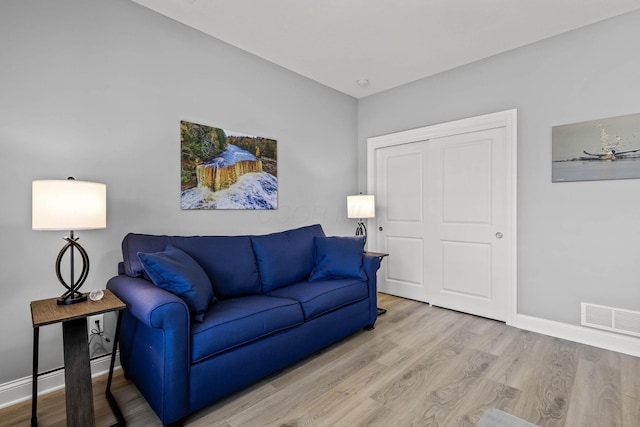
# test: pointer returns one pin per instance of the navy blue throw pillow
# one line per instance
(178, 273)
(338, 258)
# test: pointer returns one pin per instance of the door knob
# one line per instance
(380, 228)
(499, 235)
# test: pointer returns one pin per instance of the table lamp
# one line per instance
(69, 205)
(361, 206)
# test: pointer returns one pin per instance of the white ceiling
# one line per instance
(387, 42)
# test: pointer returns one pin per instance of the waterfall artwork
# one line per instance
(596, 150)
(223, 169)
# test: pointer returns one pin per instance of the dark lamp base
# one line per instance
(72, 295)
(72, 299)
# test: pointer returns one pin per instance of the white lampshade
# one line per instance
(68, 205)
(361, 206)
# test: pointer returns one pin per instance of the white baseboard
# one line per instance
(19, 390)
(595, 337)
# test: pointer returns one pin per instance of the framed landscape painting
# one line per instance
(223, 169)
(596, 150)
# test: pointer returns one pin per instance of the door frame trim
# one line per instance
(506, 119)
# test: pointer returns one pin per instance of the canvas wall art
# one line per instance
(224, 169)
(598, 149)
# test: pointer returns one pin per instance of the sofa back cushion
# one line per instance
(134, 243)
(228, 260)
(286, 257)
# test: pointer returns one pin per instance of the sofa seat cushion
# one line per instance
(236, 321)
(323, 296)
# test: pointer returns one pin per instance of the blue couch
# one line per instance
(209, 315)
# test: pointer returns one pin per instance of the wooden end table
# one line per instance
(77, 363)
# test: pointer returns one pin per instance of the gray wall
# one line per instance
(576, 241)
(96, 89)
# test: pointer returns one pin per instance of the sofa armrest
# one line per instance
(370, 265)
(148, 303)
(155, 348)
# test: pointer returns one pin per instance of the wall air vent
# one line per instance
(611, 319)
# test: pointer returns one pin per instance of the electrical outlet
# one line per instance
(91, 323)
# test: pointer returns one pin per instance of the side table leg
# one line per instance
(34, 378)
(112, 401)
(77, 374)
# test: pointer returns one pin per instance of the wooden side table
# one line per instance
(77, 363)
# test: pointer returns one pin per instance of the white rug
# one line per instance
(496, 418)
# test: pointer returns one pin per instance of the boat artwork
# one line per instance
(608, 149)
(596, 150)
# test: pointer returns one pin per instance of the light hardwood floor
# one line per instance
(421, 366)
